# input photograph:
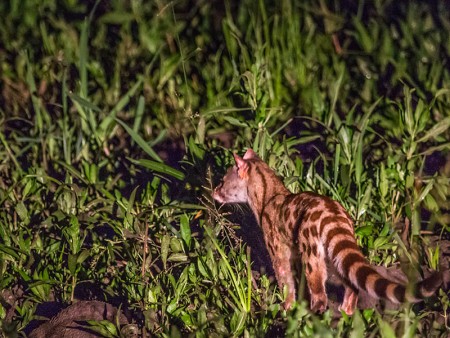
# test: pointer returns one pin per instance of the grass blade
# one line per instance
(108, 120)
(159, 167)
(140, 141)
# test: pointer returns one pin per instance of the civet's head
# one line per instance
(234, 186)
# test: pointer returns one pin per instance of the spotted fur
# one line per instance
(315, 228)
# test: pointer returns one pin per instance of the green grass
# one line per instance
(114, 117)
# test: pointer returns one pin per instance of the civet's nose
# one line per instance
(216, 194)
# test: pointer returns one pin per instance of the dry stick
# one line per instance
(145, 249)
(144, 260)
(336, 44)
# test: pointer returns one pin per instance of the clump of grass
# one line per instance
(114, 117)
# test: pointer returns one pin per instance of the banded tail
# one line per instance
(353, 266)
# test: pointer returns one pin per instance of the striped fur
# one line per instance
(313, 228)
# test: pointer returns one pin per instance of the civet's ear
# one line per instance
(250, 154)
(242, 166)
(239, 161)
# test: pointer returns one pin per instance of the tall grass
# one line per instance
(115, 123)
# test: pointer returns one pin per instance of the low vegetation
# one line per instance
(118, 117)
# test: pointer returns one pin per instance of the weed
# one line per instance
(114, 119)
